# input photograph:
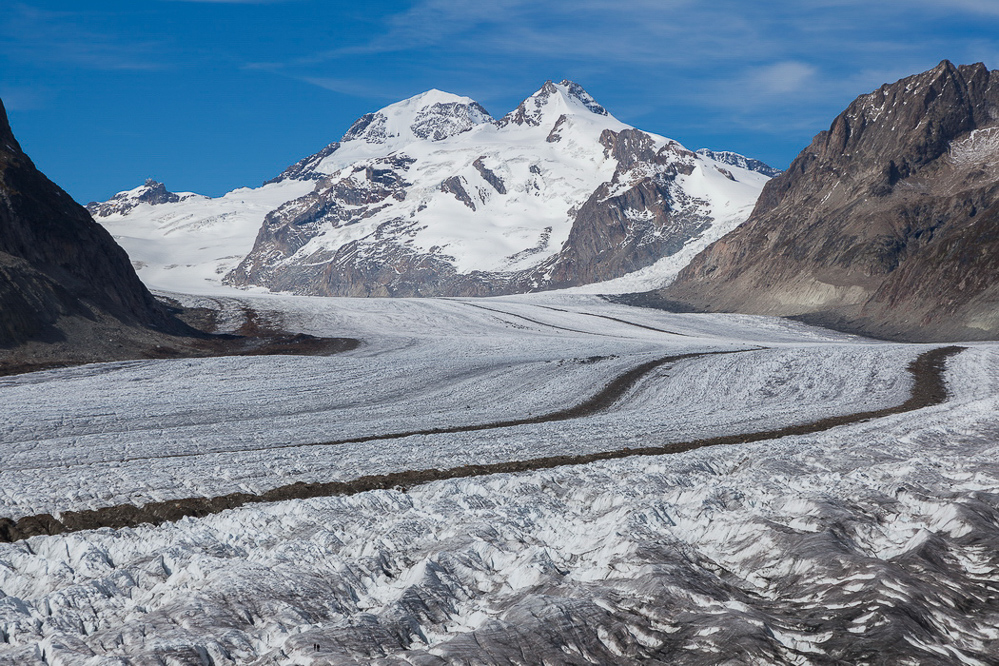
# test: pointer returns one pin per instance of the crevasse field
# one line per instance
(875, 542)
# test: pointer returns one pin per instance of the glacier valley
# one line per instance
(873, 542)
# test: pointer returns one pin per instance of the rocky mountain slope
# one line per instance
(63, 280)
(431, 196)
(886, 224)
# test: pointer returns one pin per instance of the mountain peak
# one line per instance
(577, 93)
(909, 123)
(554, 100)
(151, 192)
(945, 66)
(6, 134)
(63, 277)
(433, 115)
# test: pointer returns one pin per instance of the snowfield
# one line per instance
(875, 542)
(192, 243)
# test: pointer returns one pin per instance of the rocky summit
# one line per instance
(432, 196)
(62, 277)
(150, 192)
(886, 224)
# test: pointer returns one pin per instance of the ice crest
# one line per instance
(551, 102)
(433, 116)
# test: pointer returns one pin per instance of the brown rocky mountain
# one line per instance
(63, 280)
(887, 224)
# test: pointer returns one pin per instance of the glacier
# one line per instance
(872, 542)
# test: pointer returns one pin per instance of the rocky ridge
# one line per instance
(735, 159)
(885, 224)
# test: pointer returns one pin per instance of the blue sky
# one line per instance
(209, 95)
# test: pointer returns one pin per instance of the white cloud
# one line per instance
(986, 7)
(782, 78)
(775, 65)
(352, 87)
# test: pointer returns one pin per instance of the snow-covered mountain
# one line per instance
(735, 159)
(189, 244)
(432, 196)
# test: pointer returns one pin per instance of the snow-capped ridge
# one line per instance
(551, 102)
(432, 196)
(433, 115)
(741, 161)
(305, 168)
(151, 192)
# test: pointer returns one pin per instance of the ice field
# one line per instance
(878, 537)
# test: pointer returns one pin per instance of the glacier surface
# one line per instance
(874, 542)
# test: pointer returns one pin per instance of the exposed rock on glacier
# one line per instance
(150, 192)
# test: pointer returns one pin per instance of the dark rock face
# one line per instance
(626, 224)
(31, 302)
(887, 224)
(55, 261)
(156, 193)
(363, 192)
(455, 186)
(735, 159)
(489, 176)
(446, 119)
(435, 122)
(360, 128)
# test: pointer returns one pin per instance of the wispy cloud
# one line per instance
(596, 29)
(781, 79)
(40, 36)
(986, 7)
(677, 31)
(17, 98)
(353, 87)
(233, 2)
(773, 60)
(431, 21)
